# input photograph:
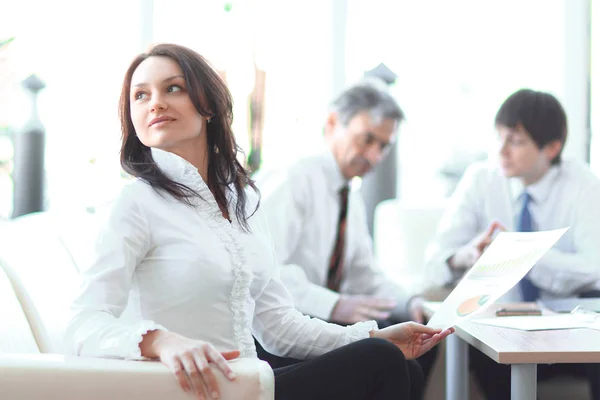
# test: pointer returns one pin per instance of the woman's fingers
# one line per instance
(192, 364)
(193, 368)
(202, 356)
(437, 337)
(442, 335)
(230, 355)
(447, 332)
(182, 378)
(420, 328)
(219, 360)
(429, 343)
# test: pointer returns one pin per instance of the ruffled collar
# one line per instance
(182, 171)
(179, 170)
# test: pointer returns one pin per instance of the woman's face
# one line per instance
(162, 112)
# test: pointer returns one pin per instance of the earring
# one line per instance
(216, 149)
(208, 120)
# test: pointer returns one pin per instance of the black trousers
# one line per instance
(426, 361)
(370, 369)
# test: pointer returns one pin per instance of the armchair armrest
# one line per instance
(49, 376)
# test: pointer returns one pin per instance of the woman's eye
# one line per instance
(173, 88)
(139, 95)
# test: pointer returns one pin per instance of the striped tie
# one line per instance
(336, 262)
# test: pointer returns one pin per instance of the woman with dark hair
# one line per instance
(187, 251)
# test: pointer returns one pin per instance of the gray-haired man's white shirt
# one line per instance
(302, 205)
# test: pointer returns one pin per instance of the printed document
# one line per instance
(502, 265)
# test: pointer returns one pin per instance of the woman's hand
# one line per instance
(412, 338)
(189, 360)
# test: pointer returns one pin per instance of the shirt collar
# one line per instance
(538, 191)
(179, 170)
(182, 171)
(333, 174)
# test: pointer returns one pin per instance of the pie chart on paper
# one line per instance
(472, 304)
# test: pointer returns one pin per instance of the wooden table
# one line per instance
(523, 350)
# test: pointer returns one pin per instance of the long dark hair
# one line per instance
(210, 96)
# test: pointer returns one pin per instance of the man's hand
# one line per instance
(351, 309)
(415, 309)
(466, 256)
(413, 339)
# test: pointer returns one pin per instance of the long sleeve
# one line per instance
(460, 224)
(565, 273)
(364, 275)
(284, 331)
(283, 201)
(95, 328)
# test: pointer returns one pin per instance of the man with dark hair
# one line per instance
(529, 188)
(539, 114)
(319, 224)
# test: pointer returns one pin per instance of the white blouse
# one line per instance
(162, 264)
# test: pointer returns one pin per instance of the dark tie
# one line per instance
(529, 291)
(336, 261)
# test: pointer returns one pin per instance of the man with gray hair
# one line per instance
(319, 225)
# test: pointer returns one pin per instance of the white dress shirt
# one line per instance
(188, 270)
(302, 204)
(568, 195)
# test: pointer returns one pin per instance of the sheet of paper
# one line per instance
(508, 259)
(539, 323)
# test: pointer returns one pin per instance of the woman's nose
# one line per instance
(157, 103)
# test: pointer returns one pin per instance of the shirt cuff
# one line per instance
(359, 331)
(132, 344)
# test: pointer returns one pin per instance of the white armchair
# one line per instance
(39, 254)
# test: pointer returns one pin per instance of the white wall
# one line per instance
(457, 61)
